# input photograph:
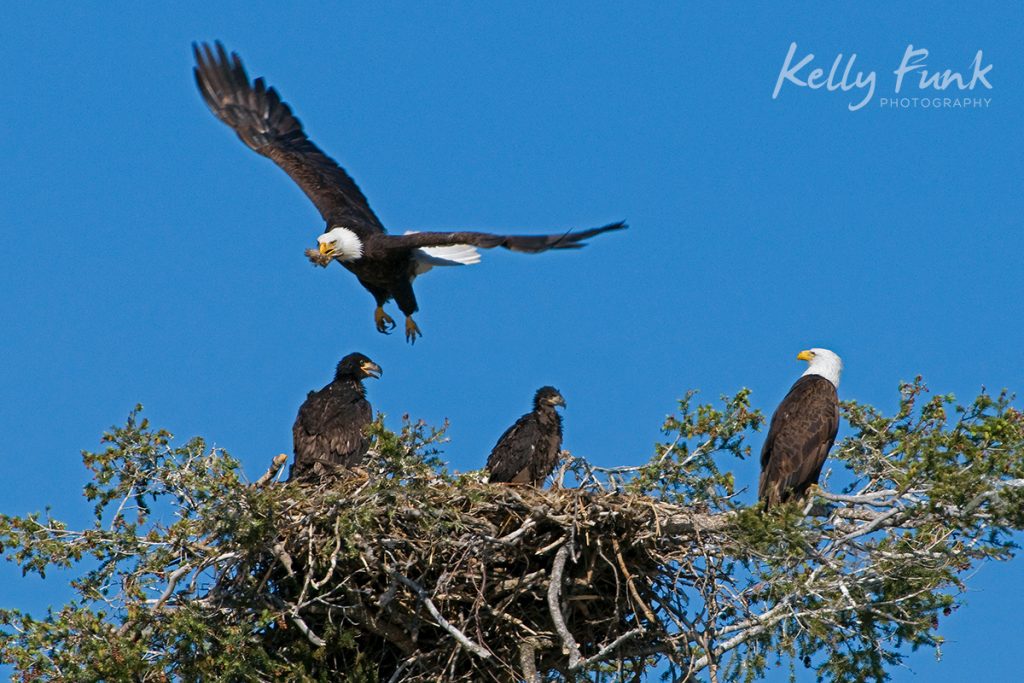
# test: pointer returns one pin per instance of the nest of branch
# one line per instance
(468, 581)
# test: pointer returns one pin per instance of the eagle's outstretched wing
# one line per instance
(266, 125)
(486, 240)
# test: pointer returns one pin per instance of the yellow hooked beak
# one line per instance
(805, 355)
(371, 369)
(326, 249)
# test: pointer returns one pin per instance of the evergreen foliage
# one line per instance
(402, 571)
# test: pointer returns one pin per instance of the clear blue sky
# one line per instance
(149, 256)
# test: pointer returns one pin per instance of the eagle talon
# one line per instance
(412, 330)
(385, 323)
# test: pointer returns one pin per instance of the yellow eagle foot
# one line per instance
(385, 323)
(412, 330)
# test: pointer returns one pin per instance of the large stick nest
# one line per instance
(467, 581)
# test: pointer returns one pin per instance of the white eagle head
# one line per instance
(340, 243)
(823, 362)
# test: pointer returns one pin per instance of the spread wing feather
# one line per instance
(486, 240)
(453, 255)
(267, 125)
(802, 431)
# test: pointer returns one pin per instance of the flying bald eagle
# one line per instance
(802, 430)
(384, 264)
(329, 430)
(528, 450)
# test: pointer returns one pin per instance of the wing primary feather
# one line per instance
(265, 123)
(486, 240)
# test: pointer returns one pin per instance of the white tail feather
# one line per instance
(454, 255)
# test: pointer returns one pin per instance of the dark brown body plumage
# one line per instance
(802, 431)
(330, 430)
(529, 450)
(267, 126)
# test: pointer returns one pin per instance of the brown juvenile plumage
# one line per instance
(802, 431)
(387, 263)
(329, 431)
(529, 450)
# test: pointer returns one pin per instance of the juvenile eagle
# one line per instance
(329, 430)
(528, 450)
(802, 430)
(384, 264)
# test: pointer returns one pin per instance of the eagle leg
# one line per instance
(412, 330)
(385, 323)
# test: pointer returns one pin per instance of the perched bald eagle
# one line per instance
(528, 450)
(384, 264)
(802, 430)
(329, 430)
